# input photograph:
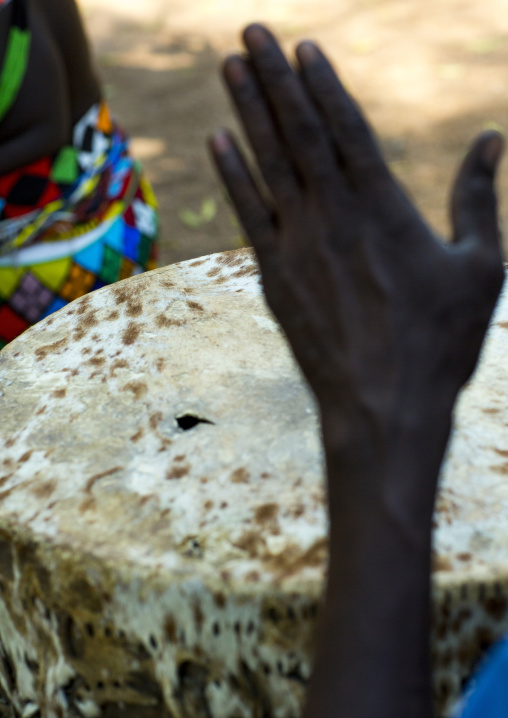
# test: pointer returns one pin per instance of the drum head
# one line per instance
(163, 534)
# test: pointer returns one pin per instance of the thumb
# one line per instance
(474, 202)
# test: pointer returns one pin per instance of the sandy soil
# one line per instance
(429, 75)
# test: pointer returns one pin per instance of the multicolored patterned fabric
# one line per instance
(73, 223)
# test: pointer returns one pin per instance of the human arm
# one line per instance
(386, 322)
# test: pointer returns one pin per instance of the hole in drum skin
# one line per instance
(189, 421)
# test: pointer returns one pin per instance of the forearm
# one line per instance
(373, 658)
(373, 653)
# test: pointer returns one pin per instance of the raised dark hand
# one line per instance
(360, 284)
(386, 322)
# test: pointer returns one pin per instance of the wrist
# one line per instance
(383, 471)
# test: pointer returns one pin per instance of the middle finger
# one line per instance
(294, 113)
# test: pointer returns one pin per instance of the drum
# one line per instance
(163, 533)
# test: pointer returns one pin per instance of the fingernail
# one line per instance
(307, 52)
(235, 69)
(221, 142)
(255, 36)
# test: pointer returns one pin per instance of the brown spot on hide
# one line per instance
(5, 494)
(89, 320)
(112, 316)
(234, 257)
(292, 560)
(501, 452)
(266, 512)
(180, 457)
(160, 364)
(131, 333)
(500, 469)
(196, 306)
(162, 321)
(118, 364)
(464, 556)
(121, 295)
(82, 304)
(208, 505)
(245, 272)
(177, 472)
(252, 543)
(138, 388)
(155, 419)
(297, 510)
(26, 456)
(59, 393)
(45, 489)
(165, 443)
(97, 361)
(138, 435)
(442, 563)
(134, 309)
(42, 352)
(197, 263)
(88, 504)
(240, 476)
(213, 272)
(492, 410)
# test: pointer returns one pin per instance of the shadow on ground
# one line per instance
(426, 97)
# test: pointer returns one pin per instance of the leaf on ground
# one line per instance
(197, 219)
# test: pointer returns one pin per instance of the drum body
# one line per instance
(163, 533)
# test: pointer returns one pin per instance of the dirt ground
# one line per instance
(429, 75)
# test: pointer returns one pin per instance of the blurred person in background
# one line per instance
(76, 212)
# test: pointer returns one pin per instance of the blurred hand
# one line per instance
(374, 305)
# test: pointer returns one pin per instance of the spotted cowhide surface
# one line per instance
(162, 516)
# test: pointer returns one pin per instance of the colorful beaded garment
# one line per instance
(72, 223)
